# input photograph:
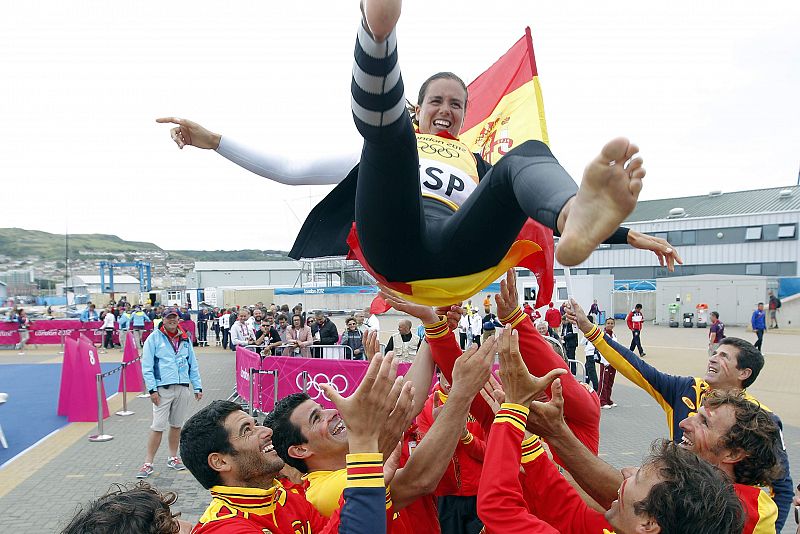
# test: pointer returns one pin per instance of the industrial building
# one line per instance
(737, 233)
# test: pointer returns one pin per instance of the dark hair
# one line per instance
(749, 357)
(285, 434)
(424, 89)
(692, 495)
(637, 307)
(754, 433)
(204, 433)
(141, 509)
(760, 303)
(715, 314)
(283, 316)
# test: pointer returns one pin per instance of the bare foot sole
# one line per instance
(607, 195)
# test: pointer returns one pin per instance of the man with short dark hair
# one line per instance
(234, 458)
(170, 372)
(327, 335)
(734, 365)
(267, 336)
(635, 321)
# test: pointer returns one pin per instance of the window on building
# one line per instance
(689, 237)
(753, 233)
(605, 271)
(786, 231)
(562, 293)
(581, 271)
(661, 235)
(674, 237)
(752, 268)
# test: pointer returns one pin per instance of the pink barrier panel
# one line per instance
(67, 371)
(134, 381)
(50, 331)
(9, 335)
(82, 401)
(190, 328)
(344, 375)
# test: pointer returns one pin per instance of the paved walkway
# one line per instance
(40, 491)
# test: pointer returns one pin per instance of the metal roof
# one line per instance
(95, 279)
(280, 265)
(718, 204)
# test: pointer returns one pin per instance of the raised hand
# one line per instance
(426, 314)
(547, 418)
(576, 315)
(472, 369)
(372, 344)
(190, 133)
(507, 298)
(366, 410)
(520, 386)
(492, 392)
(666, 253)
(453, 314)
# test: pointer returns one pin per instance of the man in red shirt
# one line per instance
(552, 316)
(457, 492)
(673, 492)
(635, 321)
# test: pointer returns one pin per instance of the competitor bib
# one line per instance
(447, 169)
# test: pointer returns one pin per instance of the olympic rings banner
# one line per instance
(343, 375)
(51, 331)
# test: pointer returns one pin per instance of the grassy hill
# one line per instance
(18, 243)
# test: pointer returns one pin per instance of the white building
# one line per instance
(244, 274)
(738, 233)
(86, 284)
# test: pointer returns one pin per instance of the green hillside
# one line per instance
(18, 243)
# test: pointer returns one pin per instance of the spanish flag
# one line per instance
(505, 109)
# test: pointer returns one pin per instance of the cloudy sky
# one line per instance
(709, 90)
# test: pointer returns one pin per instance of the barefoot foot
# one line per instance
(607, 195)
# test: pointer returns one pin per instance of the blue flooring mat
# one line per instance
(30, 413)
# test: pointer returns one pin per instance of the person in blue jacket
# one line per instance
(735, 364)
(758, 322)
(89, 314)
(171, 375)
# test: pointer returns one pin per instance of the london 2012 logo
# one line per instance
(338, 382)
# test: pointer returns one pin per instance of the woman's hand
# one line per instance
(667, 255)
(190, 133)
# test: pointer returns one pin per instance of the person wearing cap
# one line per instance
(171, 374)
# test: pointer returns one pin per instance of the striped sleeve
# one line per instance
(377, 92)
(531, 449)
(514, 318)
(437, 329)
(365, 470)
(364, 509)
(515, 415)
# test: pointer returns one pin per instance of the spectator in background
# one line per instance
(570, 339)
(758, 322)
(607, 371)
(544, 329)
(124, 323)
(23, 324)
(463, 331)
(373, 323)
(404, 343)
(267, 336)
(108, 329)
(283, 327)
(184, 314)
(214, 316)
(490, 323)
(225, 326)
(529, 311)
(138, 320)
(475, 327)
(255, 319)
(592, 358)
(298, 310)
(241, 331)
(300, 338)
(171, 374)
(202, 327)
(487, 304)
(553, 317)
(89, 314)
(360, 324)
(595, 310)
(716, 333)
(774, 306)
(353, 338)
(327, 334)
(635, 321)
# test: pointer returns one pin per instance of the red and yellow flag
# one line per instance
(505, 109)
(505, 106)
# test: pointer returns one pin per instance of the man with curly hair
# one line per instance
(141, 508)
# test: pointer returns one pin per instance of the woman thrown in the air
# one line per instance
(433, 221)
